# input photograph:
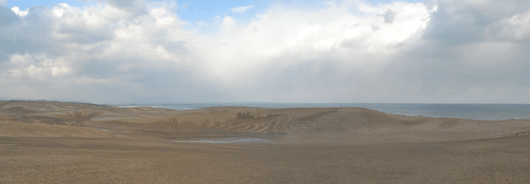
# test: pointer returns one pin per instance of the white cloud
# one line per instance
(19, 12)
(228, 22)
(241, 9)
(344, 52)
(308, 36)
(37, 67)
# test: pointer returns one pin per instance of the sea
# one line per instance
(462, 111)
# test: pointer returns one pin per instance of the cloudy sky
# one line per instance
(358, 51)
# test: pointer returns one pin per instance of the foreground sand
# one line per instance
(55, 142)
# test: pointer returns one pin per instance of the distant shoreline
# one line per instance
(433, 110)
(461, 111)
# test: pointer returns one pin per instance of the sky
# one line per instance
(290, 51)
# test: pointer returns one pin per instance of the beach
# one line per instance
(56, 142)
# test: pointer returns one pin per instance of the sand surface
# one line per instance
(54, 142)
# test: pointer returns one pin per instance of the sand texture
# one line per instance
(55, 142)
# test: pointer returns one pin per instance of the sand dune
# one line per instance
(343, 126)
(272, 138)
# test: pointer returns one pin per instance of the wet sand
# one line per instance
(53, 142)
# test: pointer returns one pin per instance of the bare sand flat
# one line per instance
(54, 142)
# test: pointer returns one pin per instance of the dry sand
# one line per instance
(54, 142)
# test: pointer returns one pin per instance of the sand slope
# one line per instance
(56, 142)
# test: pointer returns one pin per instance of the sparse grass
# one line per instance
(243, 115)
(248, 115)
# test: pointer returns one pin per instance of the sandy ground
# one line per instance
(54, 142)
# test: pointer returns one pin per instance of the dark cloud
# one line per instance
(29, 34)
(7, 16)
(85, 34)
(134, 7)
(389, 16)
(125, 4)
(460, 22)
(8, 46)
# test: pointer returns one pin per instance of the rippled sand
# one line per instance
(55, 142)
